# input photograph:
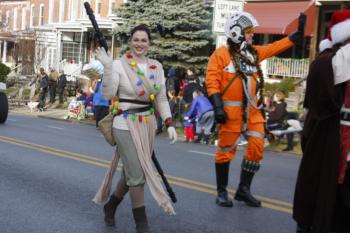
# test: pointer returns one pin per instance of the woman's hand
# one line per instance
(172, 134)
(104, 57)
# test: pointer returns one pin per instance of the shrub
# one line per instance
(286, 85)
(4, 71)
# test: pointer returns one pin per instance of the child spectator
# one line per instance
(202, 108)
(189, 132)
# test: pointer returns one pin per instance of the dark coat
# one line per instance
(62, 81)
(174, 107)
(279, 115)
(316, 187)
(189, 89)
(44, 82)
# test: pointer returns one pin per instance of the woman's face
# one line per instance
(249, 34)
(139, 43)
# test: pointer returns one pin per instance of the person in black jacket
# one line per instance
(278, 117)
(44, 85)
(61, 84)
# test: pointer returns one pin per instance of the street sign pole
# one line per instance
(222, 9)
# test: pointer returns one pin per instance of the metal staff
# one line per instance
(103, 43)
(101, 39)
(165, 181)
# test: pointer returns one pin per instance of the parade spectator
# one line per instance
(191, 85)
(203, 110)
(101, 105)
(44, 85)
(182, 107)
(171, 82)
(81, 96)
(189, 131)
(280, 119)
(53, 76)
(278, 112)
(61, 85)
(173, 103)
(139, 84)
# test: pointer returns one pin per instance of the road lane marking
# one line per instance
(202, 153)
(37, 146)
(274, 204)
(232, 191)
(54, 127)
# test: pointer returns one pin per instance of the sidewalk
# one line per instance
(49, 113)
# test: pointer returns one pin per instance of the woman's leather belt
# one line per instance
(135, 110)
(132, 101)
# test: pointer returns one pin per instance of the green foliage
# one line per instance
(26, 92)
(286, 85)
(185, 25)
(4, 71)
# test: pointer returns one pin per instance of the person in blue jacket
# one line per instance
(202, 108)
(100, 105)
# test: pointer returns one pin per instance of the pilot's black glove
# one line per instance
(296, 37)
(220, 114)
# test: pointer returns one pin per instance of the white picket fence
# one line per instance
(287, 67)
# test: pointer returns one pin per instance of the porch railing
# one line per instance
(287, 67)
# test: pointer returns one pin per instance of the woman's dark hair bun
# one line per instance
(141, 27)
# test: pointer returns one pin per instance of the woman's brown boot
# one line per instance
(109, 209)
(141, 220)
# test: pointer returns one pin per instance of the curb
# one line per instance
(64, 120)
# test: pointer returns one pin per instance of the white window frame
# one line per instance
(15, 19)
(73, 9)
(98, 10)
(24, 18)
(7, 20)
(41, 14)
(61, 11)
(51, 12)
(82, 9)
(110, 7)
(31, 20)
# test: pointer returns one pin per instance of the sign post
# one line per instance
(223, 8)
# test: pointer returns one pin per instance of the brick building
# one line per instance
(58, 33)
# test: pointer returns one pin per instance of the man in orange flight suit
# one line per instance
(234, 83)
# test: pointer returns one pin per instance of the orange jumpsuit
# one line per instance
(220, 71)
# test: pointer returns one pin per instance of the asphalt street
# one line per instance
(50, 171)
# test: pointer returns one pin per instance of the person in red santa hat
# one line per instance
(322, 193)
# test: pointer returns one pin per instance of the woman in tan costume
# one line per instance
(139, 85)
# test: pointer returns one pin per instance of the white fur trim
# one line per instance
(340, 32)
(325, 44)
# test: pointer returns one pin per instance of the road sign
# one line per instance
(223, 8)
